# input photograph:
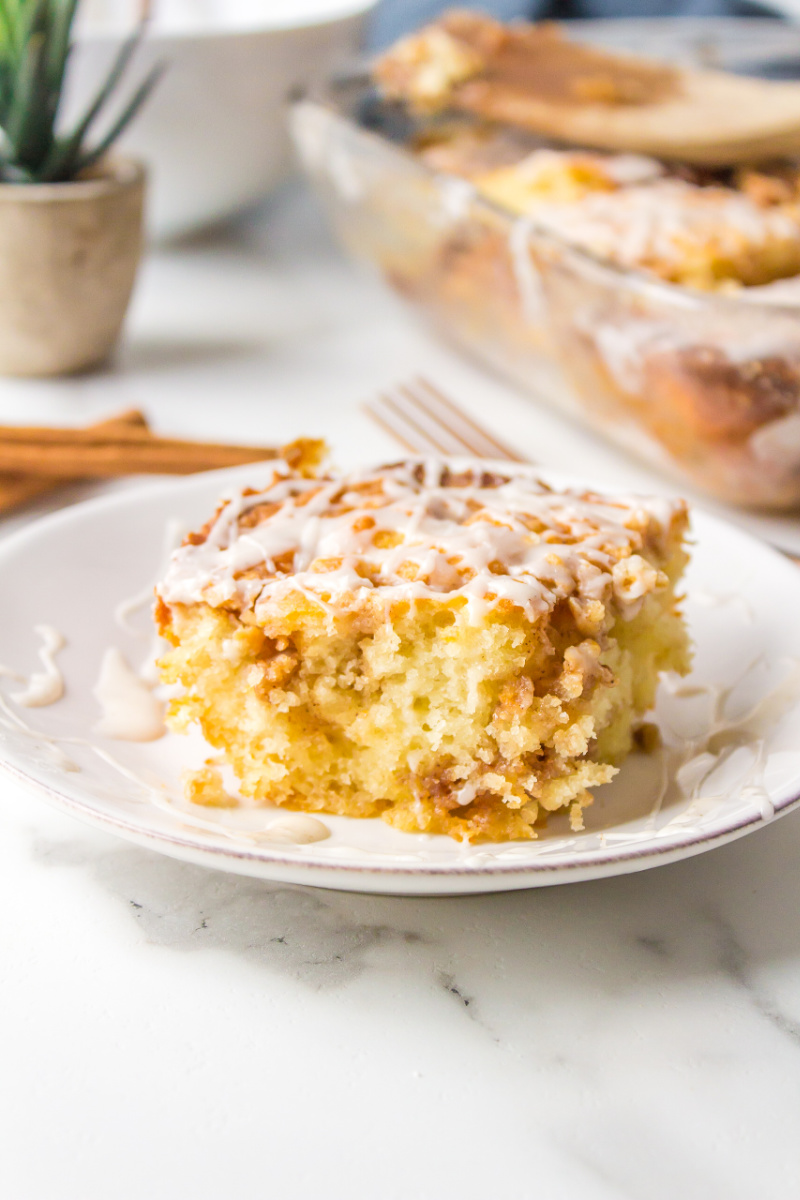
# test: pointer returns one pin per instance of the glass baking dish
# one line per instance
(703, 385)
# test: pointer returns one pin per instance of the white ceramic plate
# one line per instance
(730, 763)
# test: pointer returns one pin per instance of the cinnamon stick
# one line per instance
(17, 487)
(130, 450)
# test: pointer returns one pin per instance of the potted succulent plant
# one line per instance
(70, 215)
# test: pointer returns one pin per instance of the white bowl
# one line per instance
(214, 132)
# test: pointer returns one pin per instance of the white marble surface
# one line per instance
(170, 1032)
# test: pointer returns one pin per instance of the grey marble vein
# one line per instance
(736, 964)
(294, 930)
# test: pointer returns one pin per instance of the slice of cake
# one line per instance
(456, 650)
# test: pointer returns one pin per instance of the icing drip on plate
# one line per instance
(47, 686)
(131, 712)
(295, 829)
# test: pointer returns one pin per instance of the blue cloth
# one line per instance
(392, 18)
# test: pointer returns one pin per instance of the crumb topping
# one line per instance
(664, 222)
(423, 528)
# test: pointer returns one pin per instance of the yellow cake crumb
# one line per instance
(205, 787)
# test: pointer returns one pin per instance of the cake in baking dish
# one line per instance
(703, 229)
(629, 210)
(457, 650)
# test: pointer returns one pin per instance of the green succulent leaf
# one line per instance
(91, 157)
(59, 49)
(12, 16)
(36, 39)
(29, 123)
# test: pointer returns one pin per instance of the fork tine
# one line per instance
(424, 420)
(432, 415)
(496, 448)
(396, 417)
(396, 429)
(444, 435)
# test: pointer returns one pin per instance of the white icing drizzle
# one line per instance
(487, 540)
(174, 533)
(626, 209)
(132, 604)
(777, 444)
(343, 172)
(47, 686)
(528, 280)
(663, 220)
(131, 712)
(295, 829)
(148, 671)
(693, 761)
(13, 722)
(627, 169)
(729, 600)
(291, 829)
(545, 163)
(457, 196)
(52, 745)
(780, 292)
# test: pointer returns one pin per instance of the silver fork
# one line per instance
(426, 421)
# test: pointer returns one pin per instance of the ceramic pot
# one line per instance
(68, 259)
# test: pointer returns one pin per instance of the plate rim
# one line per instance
(597, 867)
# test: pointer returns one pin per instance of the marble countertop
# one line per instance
(171, 1032)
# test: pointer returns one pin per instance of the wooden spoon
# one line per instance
(533, 77)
